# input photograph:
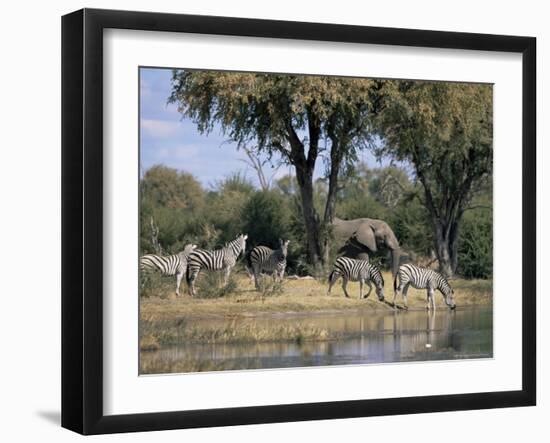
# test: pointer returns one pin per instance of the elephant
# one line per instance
(359, 237)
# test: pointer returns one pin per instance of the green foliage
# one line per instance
(475, 252)
(260, 107)
(266, 219)
(444, 130)
(170, 199)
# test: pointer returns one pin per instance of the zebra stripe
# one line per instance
(422, 278)
(264, 259)
(215, 260)
(167, 265)
(357, 270)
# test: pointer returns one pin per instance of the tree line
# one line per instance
(175, 209)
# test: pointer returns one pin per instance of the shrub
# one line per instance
(267, 287)
(211, 285)
(475, 250)
(152, 284)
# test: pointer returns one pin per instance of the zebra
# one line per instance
(422, 278)
(216, 260)
(357, 270)
(264, 259)
(168, 265)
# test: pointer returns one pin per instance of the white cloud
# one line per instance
(159, 128)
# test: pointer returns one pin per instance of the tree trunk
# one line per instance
(330, 206)
(311, 219)
(446, 248)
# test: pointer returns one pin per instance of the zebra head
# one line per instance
(448, 292)
(283, 247)
(187, 250)
(239, 244)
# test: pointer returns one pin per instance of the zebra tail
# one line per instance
(330, 275)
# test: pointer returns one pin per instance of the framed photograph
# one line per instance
(269, 221)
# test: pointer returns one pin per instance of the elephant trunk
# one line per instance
(395, 258)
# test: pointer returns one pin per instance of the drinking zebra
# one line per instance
(264, 259)
(168, 265)
(216, 260)
(357, 270)
(422, 278)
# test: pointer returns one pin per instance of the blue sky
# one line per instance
(168, 139)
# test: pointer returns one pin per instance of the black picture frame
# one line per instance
(82, 218)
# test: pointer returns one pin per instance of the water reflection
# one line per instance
(366, 338)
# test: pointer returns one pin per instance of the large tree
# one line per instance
(297, 117)
(445, 131)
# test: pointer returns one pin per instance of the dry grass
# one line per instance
(298, 296)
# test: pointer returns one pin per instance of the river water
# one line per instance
(366, 337)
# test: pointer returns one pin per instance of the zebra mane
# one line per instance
(236, 246)
(375, 272)
(444, 284)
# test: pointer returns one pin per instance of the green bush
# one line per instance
(266, 218)
(475, 250)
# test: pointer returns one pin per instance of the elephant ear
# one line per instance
(365, 236)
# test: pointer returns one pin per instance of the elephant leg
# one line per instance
(360, 288)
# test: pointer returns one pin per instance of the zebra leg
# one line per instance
(331, 280)
(179, 276)
(370, 288)
(256, 273)
(395, 292)
(344, 284)
(405, 304)
(432, 298)
(191, 282)
(227, 273)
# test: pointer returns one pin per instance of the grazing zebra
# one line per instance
(168, 265)
(264, 259)
(422, 278)
(357, 270)
(216, 260)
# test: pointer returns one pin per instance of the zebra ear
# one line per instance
(245, 236)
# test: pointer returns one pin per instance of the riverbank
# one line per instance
(166, 319)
